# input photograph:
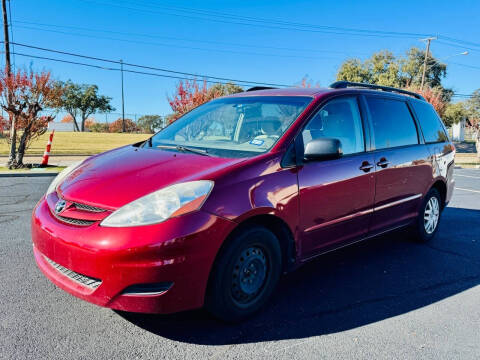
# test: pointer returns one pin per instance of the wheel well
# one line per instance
(442, 189)
(279, 228)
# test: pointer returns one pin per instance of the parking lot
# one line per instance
(388, 297)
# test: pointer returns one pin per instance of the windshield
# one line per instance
(232, 127)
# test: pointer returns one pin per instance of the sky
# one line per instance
(235, 40)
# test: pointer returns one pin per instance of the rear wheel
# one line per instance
(428, 219)
(245, 274)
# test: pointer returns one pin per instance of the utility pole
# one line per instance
(13, 130)
(428, 40)
(123, 101)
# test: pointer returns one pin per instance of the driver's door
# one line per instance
(336, 196)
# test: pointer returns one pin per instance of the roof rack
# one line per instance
(255, 88)
(346, 84)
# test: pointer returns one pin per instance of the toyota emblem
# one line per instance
(60, 206)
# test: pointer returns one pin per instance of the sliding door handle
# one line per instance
(383, 163)
(366, 166)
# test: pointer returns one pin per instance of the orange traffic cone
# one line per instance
(46, 154)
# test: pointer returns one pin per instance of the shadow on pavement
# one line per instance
(465, 147)
(365, 283)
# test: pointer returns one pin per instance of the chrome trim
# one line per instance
(145, 293)
(136, 290)
(83, 280)
(354, 242)
(73, 221)
(398, 202)
(363, 212)
(344, 218)
(88, 208)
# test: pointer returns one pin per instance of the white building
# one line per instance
(60, 127)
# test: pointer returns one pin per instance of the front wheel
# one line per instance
(245, 274)
(428, 219)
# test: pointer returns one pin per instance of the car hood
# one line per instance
(115, 178)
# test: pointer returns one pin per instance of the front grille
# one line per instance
(72, 221)
(88, 208)
(87, 281)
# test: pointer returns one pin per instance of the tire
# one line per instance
(245, 274)
(426, 225)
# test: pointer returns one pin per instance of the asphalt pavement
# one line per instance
(384, 298)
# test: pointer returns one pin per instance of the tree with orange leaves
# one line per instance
(434, 96)
(117, 126)
(67, 119)
(89, 122)
(189, 94)
(30, 94)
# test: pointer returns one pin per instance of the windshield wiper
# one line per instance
(184, 149)
(192, 150)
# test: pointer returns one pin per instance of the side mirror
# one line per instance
(323, 149)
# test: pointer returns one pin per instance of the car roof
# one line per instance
(317, 92)
(293, 91)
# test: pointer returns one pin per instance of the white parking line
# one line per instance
(475, 191)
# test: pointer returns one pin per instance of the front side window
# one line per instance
(430, 122)
(233, 127)
(392, 122)
(339, 119)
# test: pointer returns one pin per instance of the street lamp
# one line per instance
(462, 53)
(435, 61)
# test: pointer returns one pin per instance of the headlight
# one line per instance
(160, 205)
(62, 175)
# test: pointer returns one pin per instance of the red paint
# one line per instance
(325, 205)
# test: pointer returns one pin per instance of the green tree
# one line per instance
(473, 108)
(384, 68)
(150, 123)
(217, 90)
(454, 113)
(354, 70)
(81, 101)
(412, 69)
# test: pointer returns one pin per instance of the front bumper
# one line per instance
(180, 251)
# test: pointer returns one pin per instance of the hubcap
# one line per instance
(431, 215)
(249, 274)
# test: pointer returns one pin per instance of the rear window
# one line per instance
(392, 122)
(430, 122)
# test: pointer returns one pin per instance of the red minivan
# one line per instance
(211, 210)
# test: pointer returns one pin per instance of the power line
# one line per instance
(469, 43)
(285, 25)
(217, 14)
(465, 65)
(11, 31)
(149, 73)
(148, 67)
(289, 26)
(458, 46)
(127, 70)
(177, 46)
(174, 38)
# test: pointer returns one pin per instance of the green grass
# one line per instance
(78, 143)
